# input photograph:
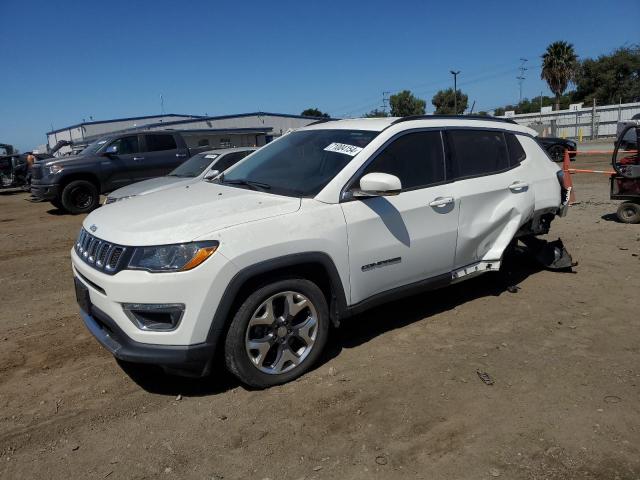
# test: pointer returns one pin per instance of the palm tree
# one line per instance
(559, 65)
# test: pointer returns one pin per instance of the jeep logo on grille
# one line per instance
(93, 227)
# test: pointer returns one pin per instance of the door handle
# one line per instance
(518, 186)
(181, 155)
(441, 202)
(138, 158)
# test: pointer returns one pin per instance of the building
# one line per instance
(241, 130)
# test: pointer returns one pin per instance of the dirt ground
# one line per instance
(396, 396)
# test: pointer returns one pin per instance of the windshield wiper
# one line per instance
(249, 183)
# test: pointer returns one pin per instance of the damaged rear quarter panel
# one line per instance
(491, 213)
(541, 175)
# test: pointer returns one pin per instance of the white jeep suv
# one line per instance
(320, 224)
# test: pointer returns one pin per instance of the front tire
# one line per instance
(629, 212)
(80, 196)
(278, 333)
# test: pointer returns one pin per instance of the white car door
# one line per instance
(401, 239)
(492, 186)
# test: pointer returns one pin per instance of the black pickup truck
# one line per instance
(75, 183)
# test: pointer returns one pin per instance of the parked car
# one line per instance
(556, 147)
(206, 165)
(322, 223)
(75, 183)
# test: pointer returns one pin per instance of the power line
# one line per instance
(385, 101)
(521, 77)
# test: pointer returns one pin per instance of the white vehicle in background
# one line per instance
(203, 166)
(316, 226)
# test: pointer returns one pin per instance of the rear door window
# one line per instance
(158, 143)
(477, 152)
(417, 159)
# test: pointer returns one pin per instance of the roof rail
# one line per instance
(453, 117)
(322, 120)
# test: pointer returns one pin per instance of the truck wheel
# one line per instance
(278, 333)
(80, 196)
(629, 212)
(556, 153)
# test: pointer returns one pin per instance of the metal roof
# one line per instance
(191, 119)
(126, 119)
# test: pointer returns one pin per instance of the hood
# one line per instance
(182, 214)
(152, 185)
(63, 160)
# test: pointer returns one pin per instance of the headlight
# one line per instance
(172, 258)
(53, 169)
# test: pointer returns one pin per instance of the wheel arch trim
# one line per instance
(337, 305)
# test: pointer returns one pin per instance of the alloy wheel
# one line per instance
(281, 332)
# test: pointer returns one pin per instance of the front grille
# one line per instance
(36, 171)
(101, 255)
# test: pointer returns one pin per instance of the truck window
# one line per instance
(127, 145)
(158, 143)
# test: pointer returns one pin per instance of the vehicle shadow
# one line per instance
(155, 380)
(610, 217)
(57, 212)
(355, 331)
(362, 328)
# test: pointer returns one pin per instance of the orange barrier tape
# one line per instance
(599, 152)
(582, 170)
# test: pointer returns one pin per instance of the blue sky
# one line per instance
(63, 61)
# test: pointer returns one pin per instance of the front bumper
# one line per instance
(200, 290)
(45, 192)
(192, 360)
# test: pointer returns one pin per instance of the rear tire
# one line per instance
(278, 333)
(629, 212)
(80, 196)
(556, 152)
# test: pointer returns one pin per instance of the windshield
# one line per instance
(300, 163)
(195, 165)
(94, 147)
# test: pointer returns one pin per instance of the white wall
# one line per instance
(572, 123)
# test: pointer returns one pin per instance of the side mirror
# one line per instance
(111, 150)
(378, 185)
(212, 174)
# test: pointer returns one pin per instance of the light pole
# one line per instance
(455, 90)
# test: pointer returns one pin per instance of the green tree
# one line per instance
(610, 78)
(559, 66)
(405, 103)
(445, 102)
(376, 113)
(314, 112)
